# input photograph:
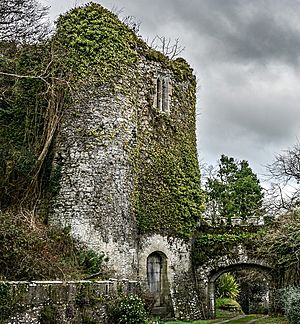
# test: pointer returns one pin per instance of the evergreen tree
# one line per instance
(234, 192)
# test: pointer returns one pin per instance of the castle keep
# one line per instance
(98, 160)
(126, 153)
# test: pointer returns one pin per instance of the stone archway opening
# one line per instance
(254, 296)
(157, 278)
(262, 270)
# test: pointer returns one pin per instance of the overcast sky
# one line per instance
(245, 55)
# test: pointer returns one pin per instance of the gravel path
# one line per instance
(232, 319)
(239, 317)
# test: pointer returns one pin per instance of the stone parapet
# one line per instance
(59, 301)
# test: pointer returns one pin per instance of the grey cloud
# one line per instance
(241, 30)
(246, 54)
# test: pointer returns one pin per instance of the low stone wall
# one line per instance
(59, 301)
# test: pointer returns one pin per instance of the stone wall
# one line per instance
(69, 302)
(182, 296)
(237, 258)
(106, 148)
(96, 181)
(129, 176)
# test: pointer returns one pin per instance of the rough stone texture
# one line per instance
(95, 155)
(188, 306)
(96, 177)
(238, 259)
(183, 304)
(71, 301)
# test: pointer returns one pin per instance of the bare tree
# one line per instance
(22, 20)
(284, 193)
(132, 23)
(287, 165)
(170, 48)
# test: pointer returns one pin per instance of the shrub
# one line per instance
(31, 250)
(91, 261)
(226, 286)
(127, 310)
(228, 304)
(49, 315)
(10, 301)
(291, 304)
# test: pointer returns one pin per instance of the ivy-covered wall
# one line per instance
(168, 195)
(126, 168)
(214, 243)
(99, 155)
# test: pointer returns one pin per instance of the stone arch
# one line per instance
(216, 273)
(176, 256)
(157, 278)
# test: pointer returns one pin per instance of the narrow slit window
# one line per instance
(165, 95)
(162, 99)
(159, 94)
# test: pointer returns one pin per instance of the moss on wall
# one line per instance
(212, 243)
(169, 199)
(167, 194)
(96, 42)
(92, 45)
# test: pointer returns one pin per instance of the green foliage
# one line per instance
(211, 243)
(227, 303)
(183, 71)
(291, 299)
(281, 244)
(86, 296)
(235, 192)
(254, 288)
(89, 320)
(168, 197)
(49, 314)
(10, 302)
(96, 42)
(46, 252)
(127, 310)
(23, 102)
(91, 261)
(227, 286)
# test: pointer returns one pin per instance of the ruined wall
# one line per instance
(96, 176)
(181, 299)
(126, 150)
(111, 150)
(59, 301)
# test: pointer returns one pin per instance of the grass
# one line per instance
(243, 320)
(273, 320)
(223, 314)
(260, 320)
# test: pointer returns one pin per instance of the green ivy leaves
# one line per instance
(96, 42)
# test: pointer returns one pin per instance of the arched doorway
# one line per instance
(157, 277)
(266, 271)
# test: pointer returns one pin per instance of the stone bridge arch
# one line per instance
(214, 274)
(237, 258)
